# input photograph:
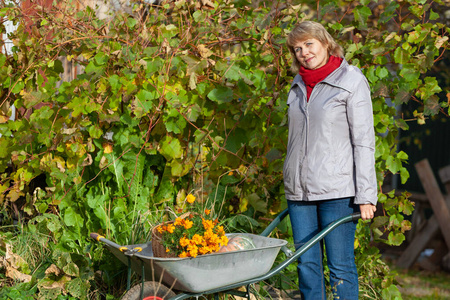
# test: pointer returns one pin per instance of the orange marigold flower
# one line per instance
(197, 239)
(207, 224)
(193, 253)
(220, 230)
(183, 254)
(178, 221)
(184, 242)
(170, 228)
(167, 250)
(208, 234)
(204, 250)
(207, 211)
(160, 229)
(224, 240)
(190, 198)
(188, 224)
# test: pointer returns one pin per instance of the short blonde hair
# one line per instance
(307, 30)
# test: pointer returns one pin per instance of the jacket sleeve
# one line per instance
(360, 118)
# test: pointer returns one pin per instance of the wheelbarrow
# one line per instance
(182, 278)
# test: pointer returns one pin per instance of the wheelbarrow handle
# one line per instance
(101, 238)
(356, 216)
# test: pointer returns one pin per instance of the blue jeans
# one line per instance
(307, 219)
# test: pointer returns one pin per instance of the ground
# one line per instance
(424, 285)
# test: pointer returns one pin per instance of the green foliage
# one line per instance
(182, 96)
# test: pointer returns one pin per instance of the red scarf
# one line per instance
(312, 77)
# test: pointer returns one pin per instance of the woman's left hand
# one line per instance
(367, 211)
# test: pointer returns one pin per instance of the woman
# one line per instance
(329, 170)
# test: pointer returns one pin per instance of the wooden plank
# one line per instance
(444, 175)
(418, 244)
(437, 201)
(424, 236)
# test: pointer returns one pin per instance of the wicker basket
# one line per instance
(157, 246)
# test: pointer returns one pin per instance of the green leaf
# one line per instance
(2, 59)
(94, 68)
(33, 98)
(171, 148)
(131, 22)
(401, 56)
(392, 292)
(362, 13)
(154, 66)
(101, 58)
(180, 168)
(71, 218)
(389, 12)
(430, 88)
(95, 131)
(114, 82)
(221, 95)
(410, 72)
(396, 239)
(382, 72)
(17, 87)
(257, 203)
(402, 155)
(433, 15)
(393, 164)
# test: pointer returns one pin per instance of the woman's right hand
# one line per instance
(367, 211)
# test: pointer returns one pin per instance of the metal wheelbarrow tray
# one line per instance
(205, 272)
(217, 272)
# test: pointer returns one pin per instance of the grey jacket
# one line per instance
(331, 146)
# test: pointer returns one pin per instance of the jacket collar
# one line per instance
(337, 78)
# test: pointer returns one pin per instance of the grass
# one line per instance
(424, 285)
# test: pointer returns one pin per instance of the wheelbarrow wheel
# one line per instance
(152, 291)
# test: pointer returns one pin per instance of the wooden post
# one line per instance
(424, 237)
(418, 244)
(437, 201)
(444, 174)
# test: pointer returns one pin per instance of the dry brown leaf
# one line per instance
(53, 269)
(16, 275)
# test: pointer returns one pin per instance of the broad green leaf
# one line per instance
(114, 82)
(393, 165)
(171, 148)
(257, 203)
(101, 58)
(433, 15)
(17, 86)
(389, 12)
(2, 60)
(94, 68)
(396, 239)
(221, 95)
(401, 56)
(402, 155)
(410, 72)
(362, 13)
(382, 72)
(131, 22)
(71, 218)
(95, 131)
